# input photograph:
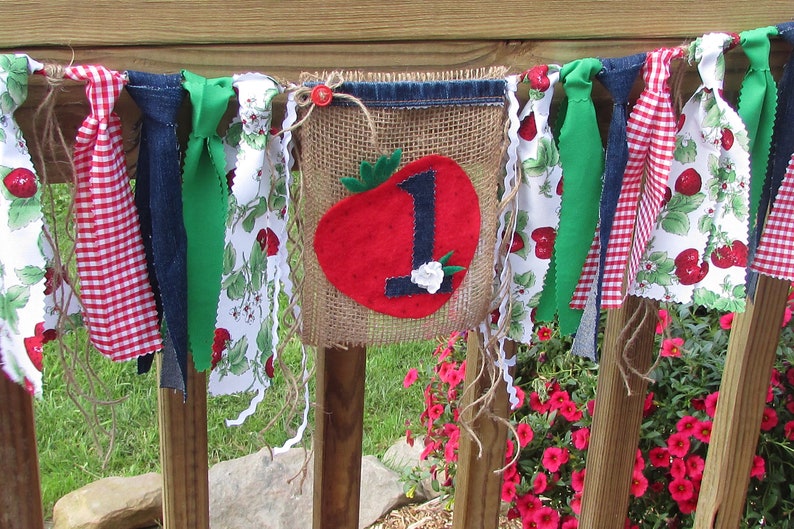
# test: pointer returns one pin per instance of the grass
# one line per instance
(69, 458)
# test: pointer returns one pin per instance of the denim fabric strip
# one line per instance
(159, 200)
(415, 94)
(618, 76)
(781, 150)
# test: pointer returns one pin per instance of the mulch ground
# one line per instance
(430, 515)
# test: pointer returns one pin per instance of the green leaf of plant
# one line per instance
(30, 275)
(353, 184)
(676, 223)
(685, 150)
(8, 313)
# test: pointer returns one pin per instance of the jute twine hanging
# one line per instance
(332, 142)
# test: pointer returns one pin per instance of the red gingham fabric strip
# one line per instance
(589, 273)
(651, 137)
(118, 303)
(775, 254)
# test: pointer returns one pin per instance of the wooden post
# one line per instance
(618, 416)
(20, 501)
(183, 454)
(737, 421)
(477, 487)
(339, 427)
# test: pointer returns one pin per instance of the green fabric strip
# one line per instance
(582, 160)
(205, 204)
(757, 104)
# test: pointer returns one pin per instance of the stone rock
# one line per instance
(112, 503)
(272, 493)
(402, 457)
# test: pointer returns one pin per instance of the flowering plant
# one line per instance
(543, 486)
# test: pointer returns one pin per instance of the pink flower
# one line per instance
(788, 430)
(639, 484)
(558, 399)
(659, 456)
(678, 444)
(527, 505)
(451, 451)
(702, 431)
(540, 483)
(681, 489)
(430, 447)
(525, 434)
(786, 316)
(726, 321)
(435, 411)
(711, 403)
(510, 450)
(409, 437)
(769, 419)
(520, 395)
(648, 407)
(639, 461)
(663, 322)
(759, 467)
(569, 522)
(576, 503)
(536, 404)
(554, 458)
(694, 467)
(544, 334)
(547, 518)
(686, 424)
(508, 491)
(581, 438)
(671, 347)
(570, 411)
(577, 480)
(410, 377)
(678, 468)
(591, 407)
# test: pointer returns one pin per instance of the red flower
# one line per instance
(678, 468)
(569, 522)
(547, 518)
(554, 458)
(577, 480)
(790, 376)
(581, 438)
(451, 451)
(540, 483)
(570, 411)
(726, 321)
(788, 430)
(711, 403)
(544, 334)
(686, 424)
(702, 431)
(521, 396)
(576, 503)
(660, 457)
(525, 434)
(527, 505)
(508, 491)
(558, 399)
(694, 467)
(639, 484)
(509, 450)
(769, 419)
(678, 444)
(671, 347)
(435, 411)
(410, 377)
(663, 322)
(648, 407)
(681, 489)
(536, 404)
(759, 467)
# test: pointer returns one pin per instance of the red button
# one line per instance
(322, 95)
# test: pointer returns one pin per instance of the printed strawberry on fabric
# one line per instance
(698, 250)
(537, 202)
(254, 255)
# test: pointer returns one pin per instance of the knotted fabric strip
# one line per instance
(618, 76)
(698, 249)
(205, 202)
(757, 104)
(158, 197)
(22, 265)
(118, 303)
(650, 133)
(246, 334)
(582, 160)
(775, 254)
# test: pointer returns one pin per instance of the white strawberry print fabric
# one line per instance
(22, 263)
(775, 254)
(537, 201)
(698, 249)
(255, 253)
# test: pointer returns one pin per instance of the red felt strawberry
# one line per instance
(268, 241)
(726, 139)
(528, 128)
(21, 183)
(368, 244)
(538, 77)
(688, 182)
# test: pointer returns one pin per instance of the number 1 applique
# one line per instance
(402, 243)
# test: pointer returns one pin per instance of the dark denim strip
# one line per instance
(422, 94)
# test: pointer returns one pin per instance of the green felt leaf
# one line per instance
(381, 172)
(30, 275)
(446, 257)
(676, 223)
(394, 161)
(367, 172)
(353, 184)
(685, 150)
(449, 270)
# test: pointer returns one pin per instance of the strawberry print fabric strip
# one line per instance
(205, 203)
(582, 160)
(118, 303)
(650, 133)
(537, 201)
(254, 250)
(775, 255)
(22, 265)
(698, 249)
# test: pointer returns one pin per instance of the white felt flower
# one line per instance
(428, 276)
